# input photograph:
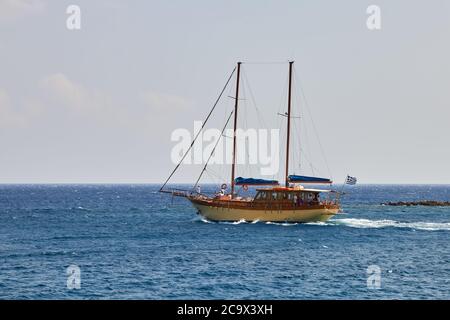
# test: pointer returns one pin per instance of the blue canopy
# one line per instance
(306, 179)
(251, 181)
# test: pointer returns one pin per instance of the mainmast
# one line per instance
(288, 122)
(233, 166)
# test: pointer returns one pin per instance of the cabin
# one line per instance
(292, 196)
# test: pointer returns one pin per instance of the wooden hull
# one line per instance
(232, 213)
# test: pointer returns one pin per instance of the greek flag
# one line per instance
(350, 180)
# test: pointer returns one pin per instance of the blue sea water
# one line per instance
(131, 242)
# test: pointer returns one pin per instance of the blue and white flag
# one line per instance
(351, 180)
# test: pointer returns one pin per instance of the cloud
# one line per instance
(13, 9)
(20, 115)
(141, 112)
(76, 100)
(165, 102)
(60, 101)
(67, 93)
(9, 118)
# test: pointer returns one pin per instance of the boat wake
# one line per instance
(202, 219)
(366, 223)
(242, 221)
(353, 223)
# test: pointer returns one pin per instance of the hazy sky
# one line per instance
(99, 104)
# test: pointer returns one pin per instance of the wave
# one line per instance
(366, 223)
(80, 208)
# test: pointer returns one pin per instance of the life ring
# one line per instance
(224, 186)
(245, 187)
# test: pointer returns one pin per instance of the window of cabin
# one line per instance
(261, 195)
(281, 195)
(310, 196)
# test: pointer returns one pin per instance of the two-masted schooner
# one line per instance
(272, 202)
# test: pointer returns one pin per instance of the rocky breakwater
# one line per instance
(429, 203)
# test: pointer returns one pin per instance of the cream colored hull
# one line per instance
(232, 214)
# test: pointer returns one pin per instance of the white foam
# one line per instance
(319, 223)
(232, 222)
(284, 224)
(355, 223)
(366, 223)
(205, 220)
(239, 222)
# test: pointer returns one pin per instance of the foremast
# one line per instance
(236, 103)
(288, 135)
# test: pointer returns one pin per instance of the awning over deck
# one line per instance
(306, 179)
(255, 182)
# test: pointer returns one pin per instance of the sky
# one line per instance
(99, 104)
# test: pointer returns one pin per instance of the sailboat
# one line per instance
(291, 202)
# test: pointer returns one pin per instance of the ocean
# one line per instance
(131, 242)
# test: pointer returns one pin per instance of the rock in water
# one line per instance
(429, 203)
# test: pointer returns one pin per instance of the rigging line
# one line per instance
(258, 113)
(248, 168)
(283, 95)
(211, 178)
(261, 120)
(298, 150)
(280, 123)
(309, 161)
(198, 133)
(307, 142)
(303, 142)
(212, 151)
(303, 139)
(281, 151)
(314, 125)
(214, 175)
(301, 151)
(266, 62)
(281, 104)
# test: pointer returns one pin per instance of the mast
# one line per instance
(288, 122)
(233, 166)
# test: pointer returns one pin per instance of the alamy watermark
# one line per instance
(73, 21)
(73, 277)
(374, 20)
(373, 277)
(253, 146)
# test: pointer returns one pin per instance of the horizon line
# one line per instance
(190, 183)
